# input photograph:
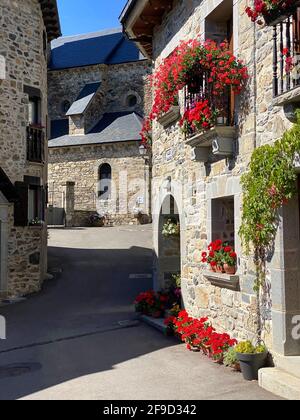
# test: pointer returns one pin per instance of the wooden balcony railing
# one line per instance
(286, 54)
(35, 144)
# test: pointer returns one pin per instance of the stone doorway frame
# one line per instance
(173, 189)
(4, 210)
(285, 275)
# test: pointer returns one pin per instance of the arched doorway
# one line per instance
(169, 243)
(104, 185)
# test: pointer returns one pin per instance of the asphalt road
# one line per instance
(67, 342)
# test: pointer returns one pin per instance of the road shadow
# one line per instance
(72, 327)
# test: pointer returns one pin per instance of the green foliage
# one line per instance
(269, 184)
(230, 357)
(246, 347)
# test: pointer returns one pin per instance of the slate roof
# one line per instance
(7, 188)
(105, 47)
(84, 99)
(112, 128)
(59, 128)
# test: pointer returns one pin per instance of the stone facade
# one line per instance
(24, 56)
(130, 182)
(196, 185)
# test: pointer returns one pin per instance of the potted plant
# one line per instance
(231, 360)
(36, 222)
(252, 359)
(272, 11)
(229, 258)
(171, 229)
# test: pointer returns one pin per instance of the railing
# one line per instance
(286, 58)
(35, 144)
(199, 89)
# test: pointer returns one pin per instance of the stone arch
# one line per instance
(104, 181)
(170, 192)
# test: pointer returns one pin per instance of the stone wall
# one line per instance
(118, 82)
(130, 179)
(195, 184)
(21, 45)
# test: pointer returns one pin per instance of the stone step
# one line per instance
(290, 364)
(155, 323)
(280, 383)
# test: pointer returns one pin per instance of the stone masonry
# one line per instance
(196, 185)
(22, 48)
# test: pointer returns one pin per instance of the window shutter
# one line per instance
(21, 206)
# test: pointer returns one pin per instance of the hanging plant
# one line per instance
(200, 117)
(269, 184)
(146, 133)
(183, 67)
(270, 9)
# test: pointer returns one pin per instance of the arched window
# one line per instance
(132, 101)
(104, 190)
(65, 106)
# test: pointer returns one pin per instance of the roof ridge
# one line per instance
(88, 35)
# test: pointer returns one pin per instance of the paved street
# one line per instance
(67, 343)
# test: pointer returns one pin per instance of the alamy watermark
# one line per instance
(2, 328)
(296, 329)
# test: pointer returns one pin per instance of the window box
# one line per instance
(169, 117)
(219, 139)
(278, 16)
(225, 281)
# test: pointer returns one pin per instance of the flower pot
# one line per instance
(156, 314)
(230, 269)
(219, 269)
(251, 364)
(221, 120)
(213, 268)
(277, 16)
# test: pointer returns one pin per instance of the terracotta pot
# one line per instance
(157, 314)
(213, 268)
(220, 269)
(229, 269)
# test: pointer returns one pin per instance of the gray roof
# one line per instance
(105, 47)
(112, 128)
(84, 99)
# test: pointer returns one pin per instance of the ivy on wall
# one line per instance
(269, 184)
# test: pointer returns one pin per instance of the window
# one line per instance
(31, 204)
(104, 190)
(33, 110)
(223, 226)
(132, 101)
(34, 105)
(65, 106)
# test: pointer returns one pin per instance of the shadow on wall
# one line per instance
(74, 316)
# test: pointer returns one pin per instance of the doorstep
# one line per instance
(157, 323)
(280, 383)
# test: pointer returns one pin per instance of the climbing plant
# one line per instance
(267, 186)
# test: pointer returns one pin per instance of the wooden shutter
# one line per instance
(21, 206)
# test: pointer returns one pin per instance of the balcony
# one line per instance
(35, 144)
(286, 60)
(219, 139)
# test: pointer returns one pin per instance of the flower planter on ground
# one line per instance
(225, 281)
(170, 117)
(251, 363)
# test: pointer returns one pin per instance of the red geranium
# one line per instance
(263, 8)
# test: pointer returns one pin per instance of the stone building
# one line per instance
(202, 177)
(97, 97)
(27, 27)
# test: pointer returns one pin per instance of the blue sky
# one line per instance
(82, 16)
